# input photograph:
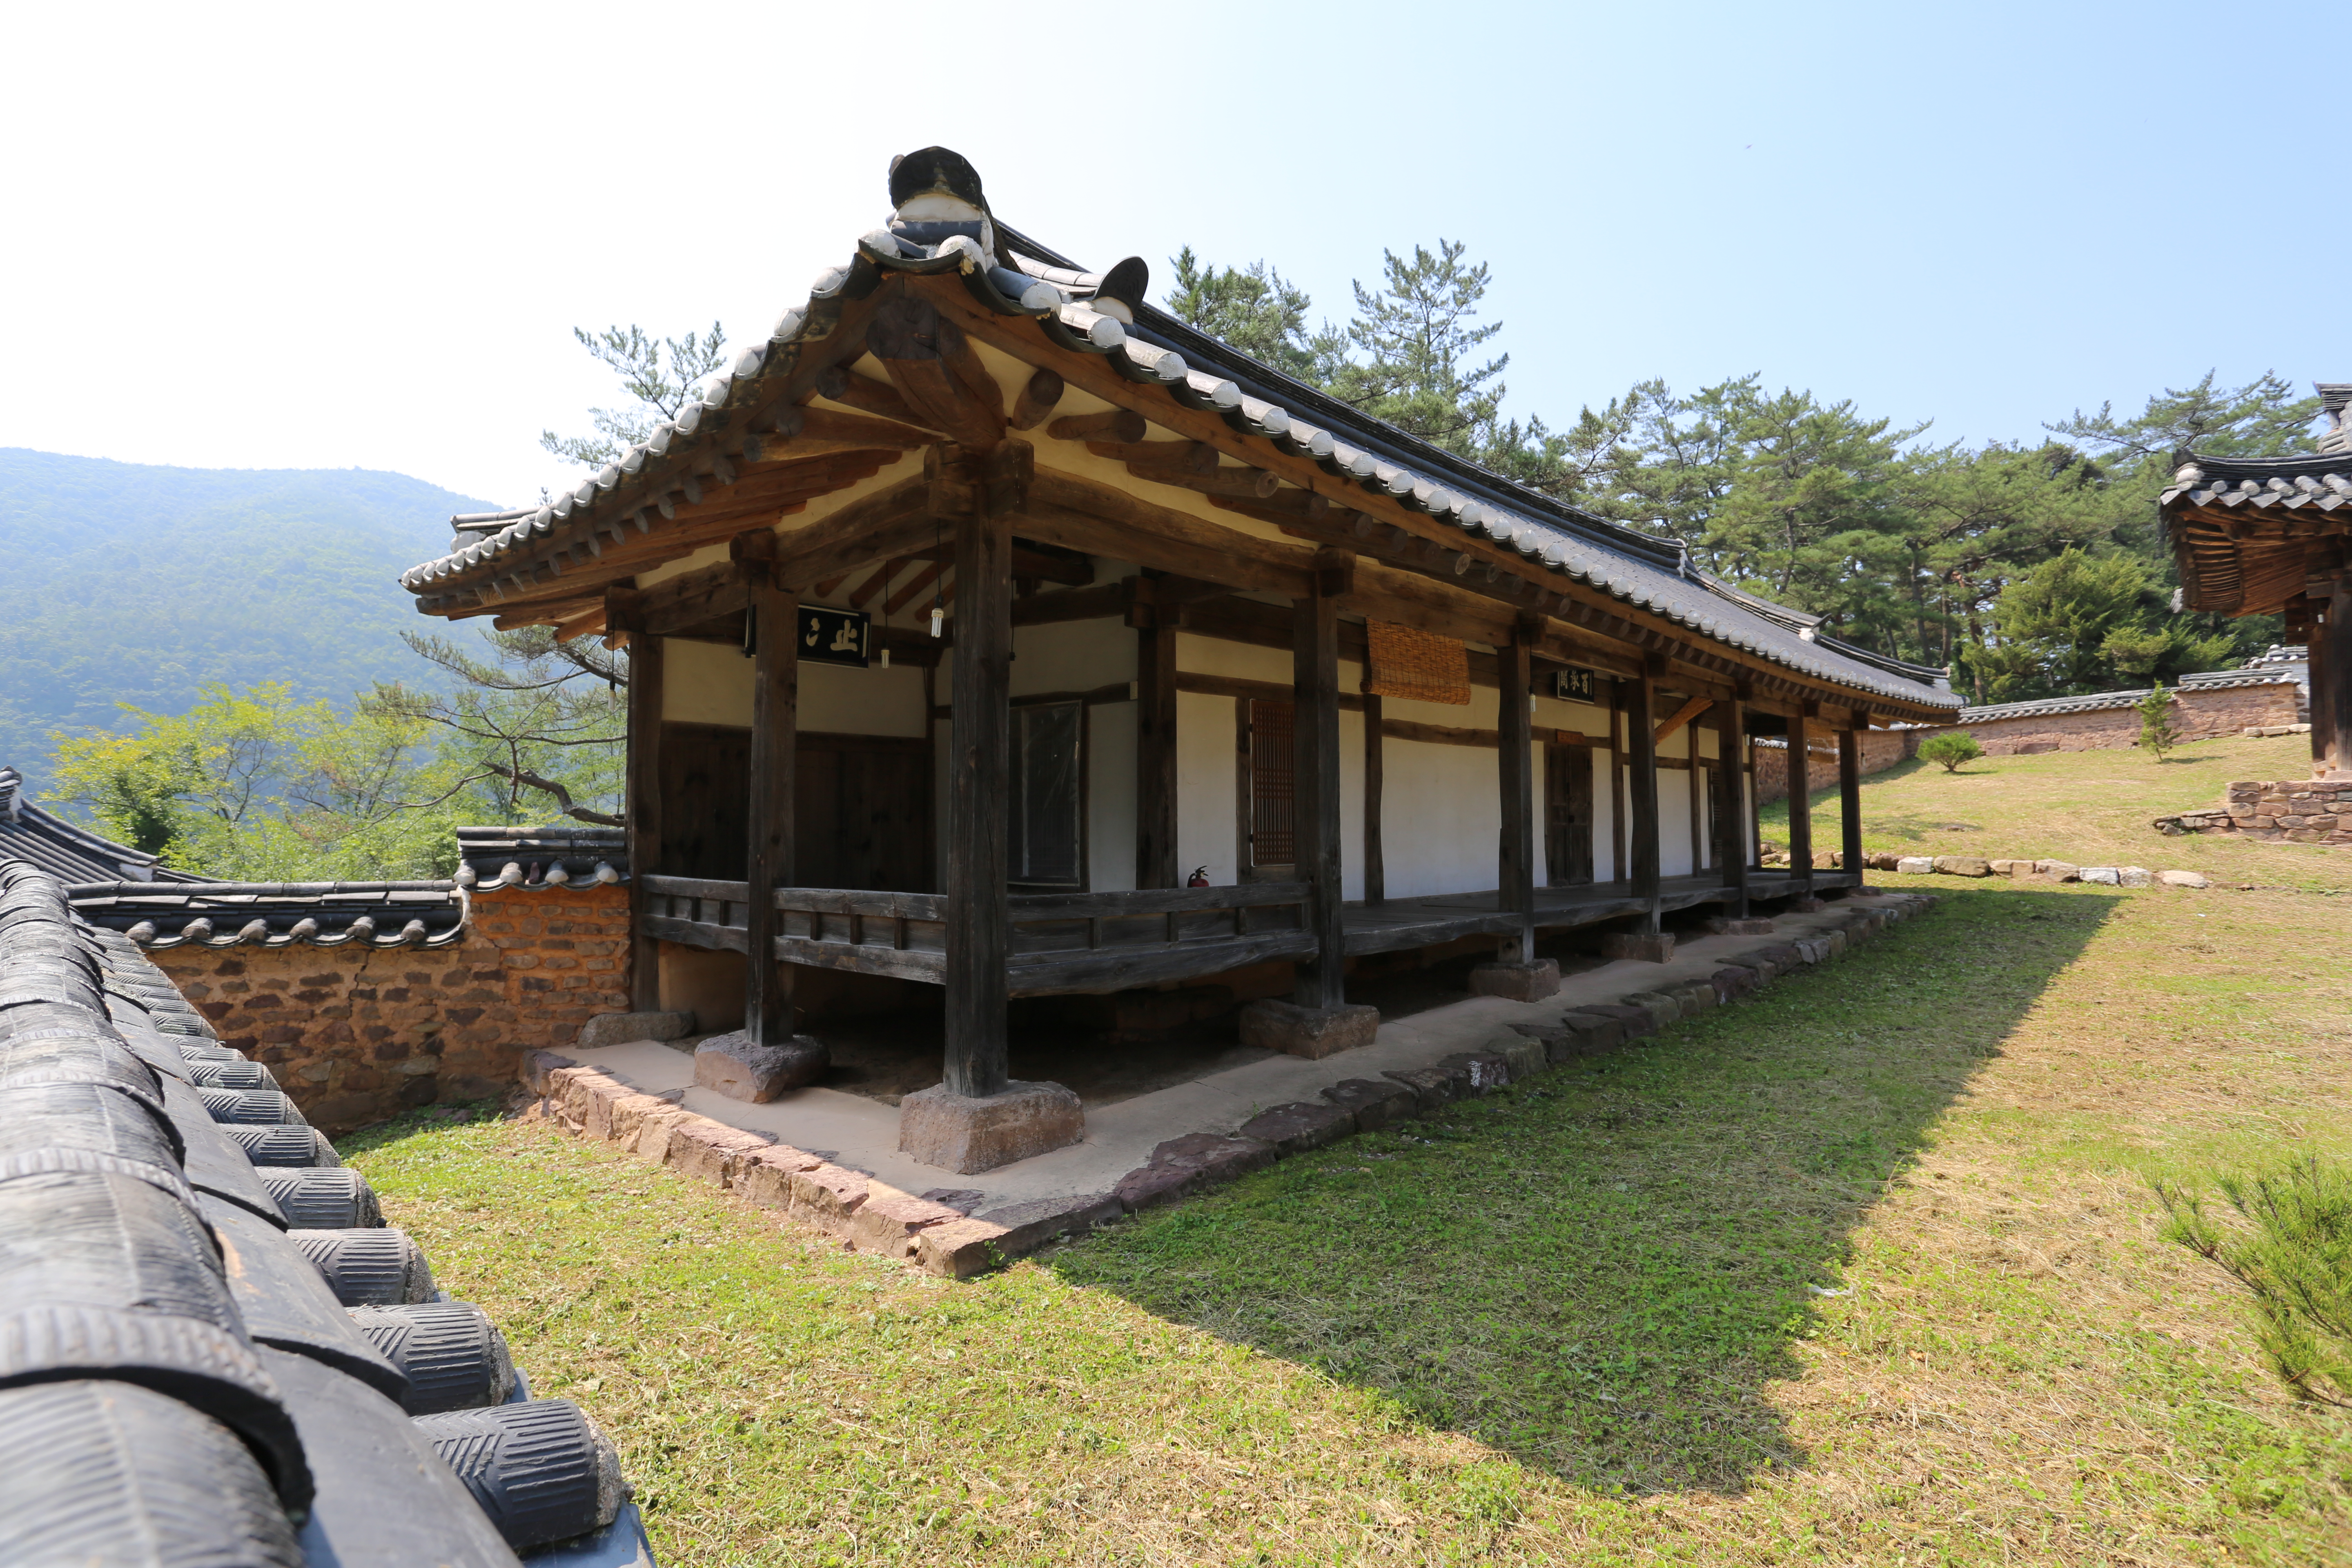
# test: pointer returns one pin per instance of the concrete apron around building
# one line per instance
(862, 1134)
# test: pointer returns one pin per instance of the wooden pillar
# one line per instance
(1315, 736)
(643, 813)
(1730, 804)
(1640, 734)
(1850, 797)
(1515, 773)
(1155, 740)
(2322, 733)
(1800, 802)
(775, 746)
(2331, 686)
(979, 762)
(1376, 876)
(1618, 870)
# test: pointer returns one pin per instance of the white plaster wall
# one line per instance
(1110, 798)
(1071, 655)
(871, 702)
(1204, 784)
(708, 683)
(705, 683)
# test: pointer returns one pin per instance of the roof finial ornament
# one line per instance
(935, 194)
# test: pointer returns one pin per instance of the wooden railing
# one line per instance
(1061, 941)
(1116, 942)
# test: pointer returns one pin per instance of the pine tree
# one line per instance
(2155, 730)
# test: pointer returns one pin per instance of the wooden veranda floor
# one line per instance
(1402, 924)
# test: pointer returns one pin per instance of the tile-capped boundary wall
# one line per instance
(2198, 714)
(2289, 811)
(356, 1033)
(935, 1233)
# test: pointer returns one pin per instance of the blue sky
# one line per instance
(313, 236)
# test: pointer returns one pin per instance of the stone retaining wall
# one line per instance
(2293, 811)
(357, 1034)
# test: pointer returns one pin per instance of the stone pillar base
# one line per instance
(965, 1133)
(1649, 947)
(1519, 981)
(1723, 925)
(1808, 905)
(1310, 1032)
(733, 1066)
(620, 1028)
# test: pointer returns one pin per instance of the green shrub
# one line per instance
(1951, 750)
(2155, 731)
(2294, 1253)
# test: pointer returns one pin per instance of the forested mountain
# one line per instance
(123, 582)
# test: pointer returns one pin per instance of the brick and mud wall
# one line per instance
(2197, 715)
(358, 1034)
(1881, 749)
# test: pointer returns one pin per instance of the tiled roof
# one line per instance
(2316, 483)
(1017, 277)
(566, 855)
(212, 1348)
(157, 915)
(2261, 674)
(68, 853)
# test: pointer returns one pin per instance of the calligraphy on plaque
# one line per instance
(836, 637)
(1573, 684)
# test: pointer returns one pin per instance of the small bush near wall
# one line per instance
(357, 1034)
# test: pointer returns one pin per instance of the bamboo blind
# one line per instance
(1417, 664)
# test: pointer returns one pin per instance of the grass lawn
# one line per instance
(2090, 807)
(1863, 1270)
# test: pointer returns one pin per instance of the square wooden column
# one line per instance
(2331, 686)
(775, 746)
(1376, 872)
(643, 811)
(1315, 741)
(1155, 738)
(1850, 797)
(979, 760)
(1641, 742)
(1800, 803)
(1730, 808)
(1514, 773)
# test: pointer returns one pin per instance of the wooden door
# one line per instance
(705, 820)
(861, 808)
(862, 813)
(1568, 816)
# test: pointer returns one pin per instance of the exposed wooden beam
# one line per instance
(1038, 395)
(1681, 716)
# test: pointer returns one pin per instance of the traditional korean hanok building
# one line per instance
(2273, 536)
(985, 613)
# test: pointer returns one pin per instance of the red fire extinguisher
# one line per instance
(1199, 878)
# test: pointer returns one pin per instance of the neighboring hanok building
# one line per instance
(984, 602)
(2273, 536)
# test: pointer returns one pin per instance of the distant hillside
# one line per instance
(121, 582)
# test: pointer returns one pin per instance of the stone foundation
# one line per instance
(957, 1234)
(2290, 811)
(964, 1134)
(1311, 1032)
(1517, 982)
(356, 1033)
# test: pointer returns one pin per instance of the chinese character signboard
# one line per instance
(1573, 684)
(835, 636)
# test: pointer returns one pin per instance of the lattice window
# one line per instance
(1047, 796)
(1274, 786)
